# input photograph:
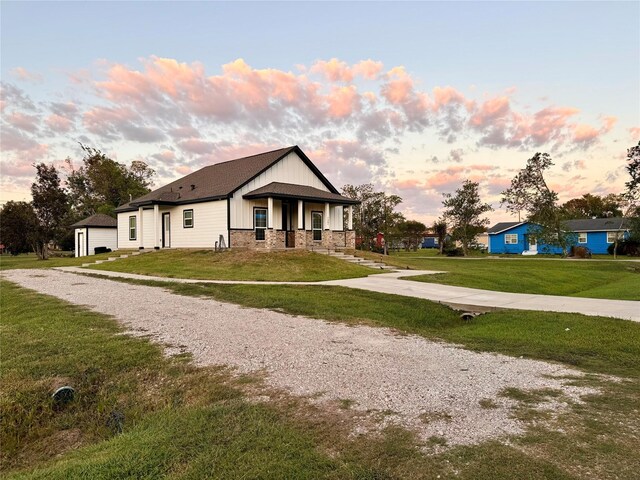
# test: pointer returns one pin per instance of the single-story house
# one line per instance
(93, 232)
(271, 200)
(519, 237)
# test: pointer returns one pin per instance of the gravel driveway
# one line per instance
(434, 388)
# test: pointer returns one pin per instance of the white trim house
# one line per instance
(94, 232)
(272, 200)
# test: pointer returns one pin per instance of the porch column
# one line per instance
(327, 216)
(270, 212)
(300, 214)
(350, 218)
(156, 225)
(140, 228)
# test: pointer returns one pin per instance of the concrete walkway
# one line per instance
(392, 283)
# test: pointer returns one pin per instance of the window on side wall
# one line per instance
(187, 218)
(316, 225)
(611, 237)
(132, 227)
(582, 238)
(511, 238)
(260, 222)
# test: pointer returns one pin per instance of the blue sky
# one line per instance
(581, 57)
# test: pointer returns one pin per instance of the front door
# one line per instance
(285, 223)
(81, 245)
(166, 230)
(533, 244)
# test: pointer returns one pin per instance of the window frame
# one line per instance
(135, 228)
(184, 218)
(256, 228)
(511, 236)
(586, 237)
(616, 235)
(314, 229)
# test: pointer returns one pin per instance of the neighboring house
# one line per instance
(94, 232)
(430, 240)
(272, 200)
(594, 233)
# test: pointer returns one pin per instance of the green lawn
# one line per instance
(186, 422)
(294, 266)
(575, 278)
(32, 261)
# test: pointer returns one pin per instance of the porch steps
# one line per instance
(113, 259)
(355, 260)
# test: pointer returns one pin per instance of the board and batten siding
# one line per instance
(123, 230)
(98, 237)
(291, 169)
(209, 222)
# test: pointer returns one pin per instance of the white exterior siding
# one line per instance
(97, 237)
(209, 222)
(123, 231)
(291, 169)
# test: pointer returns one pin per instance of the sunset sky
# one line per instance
(414, 97)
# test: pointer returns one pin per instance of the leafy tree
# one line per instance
(411, 233)
(51, 206)
(102, 184)
(589, 206)
(18, 225)
(375, 214)
(529, 192)
(631, 195)
(633, 169)
(465, 211)
(440, 229)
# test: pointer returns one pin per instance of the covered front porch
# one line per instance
(296, 216)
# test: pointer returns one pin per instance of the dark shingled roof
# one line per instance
(580, 225)
(302, 192)
(499, 227)
(218, 181)
(595, 224)
(97, 220)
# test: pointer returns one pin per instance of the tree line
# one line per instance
(464, 212)
(99, 185)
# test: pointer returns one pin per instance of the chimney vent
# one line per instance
(193, 187)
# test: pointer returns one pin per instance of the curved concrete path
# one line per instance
(392, 283)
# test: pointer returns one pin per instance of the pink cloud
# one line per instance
(196, 145)
(635, 133)
(490, 111)
(584, 133)
(183, 169)
(343, 101)
(23, 121)
(58, 123)
(368, 69)
(23, 74)
(334, 70)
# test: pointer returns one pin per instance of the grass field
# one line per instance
(180, 421)
(575, 278)
(294, 266)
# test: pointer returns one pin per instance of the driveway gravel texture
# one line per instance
(432, 388)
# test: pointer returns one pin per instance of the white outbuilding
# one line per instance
(98, 231)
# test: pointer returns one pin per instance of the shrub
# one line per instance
(626, 247)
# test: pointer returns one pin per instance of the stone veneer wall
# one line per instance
(302, 239)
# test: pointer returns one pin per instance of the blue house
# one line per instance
(519, 237)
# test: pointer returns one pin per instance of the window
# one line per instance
(510, 238)
(187, 219)
(260, 222)
(611, 236)
(132, 227)
(316, 226)
(582, 237)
